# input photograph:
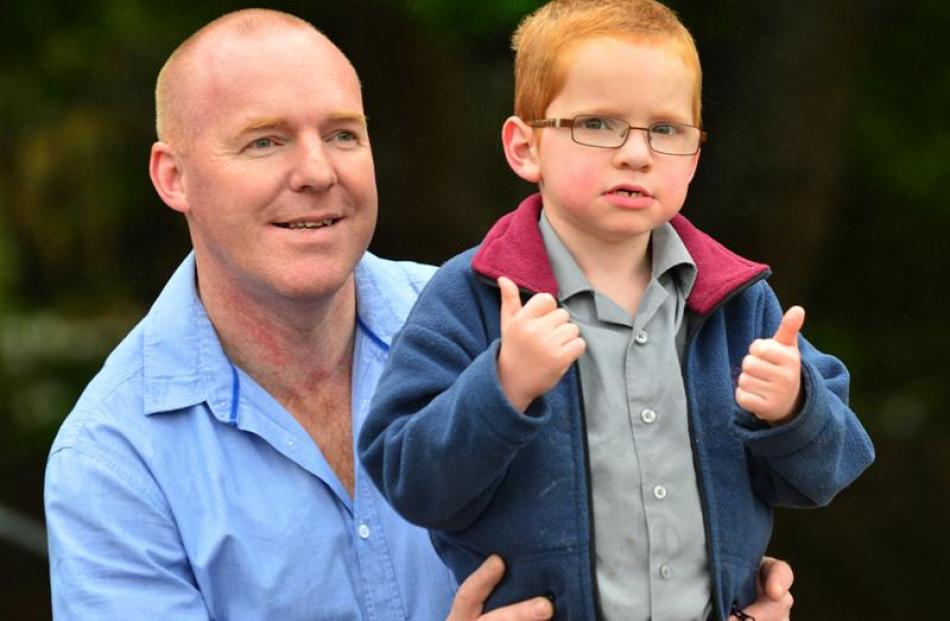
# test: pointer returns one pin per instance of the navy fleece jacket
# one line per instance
(451, 454)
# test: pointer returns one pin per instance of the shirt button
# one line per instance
(666, 572)
(648, 416)
(641, 338)
(363, 531)
(660, 492)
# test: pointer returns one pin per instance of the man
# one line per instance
(207, 471)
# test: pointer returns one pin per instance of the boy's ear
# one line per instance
(521, 149)
(694, 164)
(165, 169)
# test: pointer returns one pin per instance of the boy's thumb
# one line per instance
(787, 333)
(510, 299)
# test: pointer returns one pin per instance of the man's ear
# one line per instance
(521, 149)
(165, 169)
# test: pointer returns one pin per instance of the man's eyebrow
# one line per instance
(349, 116)
(259, 123)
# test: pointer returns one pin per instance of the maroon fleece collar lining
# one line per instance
(514, 248)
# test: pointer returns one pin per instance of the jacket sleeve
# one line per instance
(808, 460)
(115, 553)
(440, 433)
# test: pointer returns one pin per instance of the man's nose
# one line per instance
(313, 167)
(636, 151)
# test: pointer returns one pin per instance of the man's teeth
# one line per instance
(308, 225)
(630, 193)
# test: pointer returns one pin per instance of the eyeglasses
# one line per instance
(607, 133)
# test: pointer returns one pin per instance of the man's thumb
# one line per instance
(787, 333)
(510, 299)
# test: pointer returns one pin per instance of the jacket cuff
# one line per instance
(768, 441)
(498, 413)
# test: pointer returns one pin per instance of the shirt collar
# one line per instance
(669, 254)
(184, 363)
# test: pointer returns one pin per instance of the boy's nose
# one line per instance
(313, 169)
(635, 151)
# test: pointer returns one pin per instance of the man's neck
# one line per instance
(287, 346)
(300, 352)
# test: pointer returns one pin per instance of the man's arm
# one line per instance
(114, 549)
(774, 601)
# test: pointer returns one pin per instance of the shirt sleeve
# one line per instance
(114, 549)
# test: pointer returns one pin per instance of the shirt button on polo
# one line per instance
(363, 531)
(648, 416)
(666, 572)
(660, 492)
(642, 337)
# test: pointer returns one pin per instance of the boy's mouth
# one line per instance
(307, 224)
(629, 193)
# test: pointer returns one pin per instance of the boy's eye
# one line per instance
(595, 123)
(665, 129)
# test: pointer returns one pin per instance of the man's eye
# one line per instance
(346, 138)
(262, 143)
(665, 129)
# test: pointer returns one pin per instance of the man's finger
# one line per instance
(510, 299)
(787, 333)
(472, 593)
(776, 577)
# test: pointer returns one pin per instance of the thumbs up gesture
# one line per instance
(538, 344)
(770, 385)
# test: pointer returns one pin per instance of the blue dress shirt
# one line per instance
(179, 489)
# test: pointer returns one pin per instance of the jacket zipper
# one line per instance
(590, 495)
(701, 485)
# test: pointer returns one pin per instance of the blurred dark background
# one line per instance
(829, 159)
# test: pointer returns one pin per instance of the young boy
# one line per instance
(621, 437)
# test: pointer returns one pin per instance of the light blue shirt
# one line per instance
(179, 489)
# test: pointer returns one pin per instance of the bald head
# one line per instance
(183, 71)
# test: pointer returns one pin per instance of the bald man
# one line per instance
(207, 471)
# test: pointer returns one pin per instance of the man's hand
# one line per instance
(538, 344)
(475, 590)
(770, 385)
(774, 602)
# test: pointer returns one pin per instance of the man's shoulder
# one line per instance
(112, 400)
(397, 274)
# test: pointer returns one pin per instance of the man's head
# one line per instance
(546, 40)
(607, 102)
(263, 146)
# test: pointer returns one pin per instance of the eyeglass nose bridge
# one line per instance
(625, 135)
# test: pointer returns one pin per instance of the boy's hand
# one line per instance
(770, 385)
(538, 344)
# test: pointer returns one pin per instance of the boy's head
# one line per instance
(545, 40)
(607, 117)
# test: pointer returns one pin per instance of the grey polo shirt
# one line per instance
(649, 537)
